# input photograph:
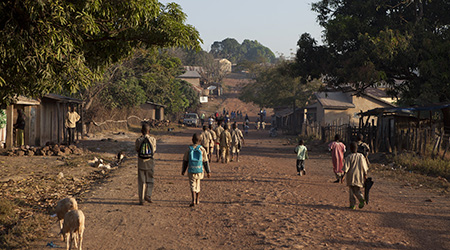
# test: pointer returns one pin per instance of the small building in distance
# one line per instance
(152, 111)
(343, 106)
(192, 77)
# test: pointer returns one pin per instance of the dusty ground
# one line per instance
(257, 203)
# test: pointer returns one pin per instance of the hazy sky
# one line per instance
(275, 24)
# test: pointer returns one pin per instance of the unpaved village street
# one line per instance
(257, 203)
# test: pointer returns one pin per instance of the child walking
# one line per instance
(337, 149)
(195, 161)
(302, 155)
(145, 147)
(355, 171)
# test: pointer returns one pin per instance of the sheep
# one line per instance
(63, 206)
(73, 228)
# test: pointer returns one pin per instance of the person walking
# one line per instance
(195, 161)
(225, 144)
(355, 171)
(71, 123)
(302, 155)
(205, 139)
(218, 131)
(212, 143)
(237, 140)
(145, 146)
(337, 149)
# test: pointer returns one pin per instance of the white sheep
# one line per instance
(73, 228)
(63, 206)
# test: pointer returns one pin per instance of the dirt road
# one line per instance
(258, 203)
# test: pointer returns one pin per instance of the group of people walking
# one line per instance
(352, 168)
(222, 141)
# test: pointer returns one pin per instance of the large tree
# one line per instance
(149, 75)
(54, 45)
(249, 50)
(403, 44)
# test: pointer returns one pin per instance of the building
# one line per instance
(343, 106)
(44, 119)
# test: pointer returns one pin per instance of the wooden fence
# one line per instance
(433, 141)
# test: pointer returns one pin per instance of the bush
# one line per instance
(428, 166)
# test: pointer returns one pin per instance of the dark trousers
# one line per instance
(71, 135)
(300, 165)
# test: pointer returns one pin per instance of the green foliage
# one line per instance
(249, 50)
(150, 75)
(51, 46)
(275, 86)
(403, 44)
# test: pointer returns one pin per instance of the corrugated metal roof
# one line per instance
(190, 74)
(62, 98)
(22, 100)
(337, 100)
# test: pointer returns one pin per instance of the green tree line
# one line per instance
(403, 45)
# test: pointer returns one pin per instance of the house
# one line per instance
(343, 106)
(153, 111)
(44, 119)
(225, 66)
(192, 77)
(29, 106)
(51, 117)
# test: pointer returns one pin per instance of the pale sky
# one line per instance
(275, 24)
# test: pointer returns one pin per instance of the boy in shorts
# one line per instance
(195, 161)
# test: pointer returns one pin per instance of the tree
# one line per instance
(398, 43)
(277, 86)
(58, 45)
(249, 50)
(149, 75)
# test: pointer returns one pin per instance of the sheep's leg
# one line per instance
(61, 227)
(67, 236)
(80, 239)
(75, 239)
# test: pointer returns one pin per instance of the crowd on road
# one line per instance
(223, 141)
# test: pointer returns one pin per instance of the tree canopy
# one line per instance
(249, 50)
(64, 45)
(276, 85)
(149, 75)
(401, 44)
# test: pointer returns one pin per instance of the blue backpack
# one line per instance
(195, 160)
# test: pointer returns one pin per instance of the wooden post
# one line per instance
(10, 127)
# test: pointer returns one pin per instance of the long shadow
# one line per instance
(401, 221)
(367, 245)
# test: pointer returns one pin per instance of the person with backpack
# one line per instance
(337, 149)
(237, 140)
(195, 161)
(302, 155)
(225, 144)
(145, 147)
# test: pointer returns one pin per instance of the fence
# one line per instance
(433, 141)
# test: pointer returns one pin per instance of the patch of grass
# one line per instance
(424, 165)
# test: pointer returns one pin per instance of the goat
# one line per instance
(73, 228)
